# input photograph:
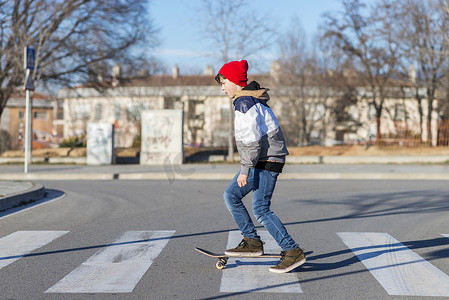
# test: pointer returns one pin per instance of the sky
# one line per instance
(179, 28)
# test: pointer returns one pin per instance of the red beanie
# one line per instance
(235, 71)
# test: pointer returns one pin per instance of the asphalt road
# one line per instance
(156, 225)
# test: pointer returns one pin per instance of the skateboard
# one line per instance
(223, 258)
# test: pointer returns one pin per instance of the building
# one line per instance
(47, 120)
(314, 113)
(120, 102)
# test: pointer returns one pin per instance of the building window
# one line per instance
(21, 115)
(353, 112)
(133, 111)
(98, 109)
(40, 115)
(117, 110)
(399, 112)
(82, 111)
(225, 112)
(372, 112)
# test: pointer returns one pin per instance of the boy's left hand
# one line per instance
(242, 180)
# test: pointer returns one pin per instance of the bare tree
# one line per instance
(443, 102)
(234, 35)
(443, 5)
(74, 40)
(308, 82)
(364, 34)
(233, 32)
(423, 28)
(295, 84)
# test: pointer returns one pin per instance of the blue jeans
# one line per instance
(262, 183)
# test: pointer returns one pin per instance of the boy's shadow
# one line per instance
(314, 263)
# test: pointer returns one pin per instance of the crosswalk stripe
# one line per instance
(254, 276)
(118, 267)
(20, 243)
(398, 269)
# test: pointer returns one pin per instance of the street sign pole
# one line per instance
(28, 129)
(29, 58)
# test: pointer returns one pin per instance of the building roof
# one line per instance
(160, 81)
(18, 99)
(205, 85)
(20, 94)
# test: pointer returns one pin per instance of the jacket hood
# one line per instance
(253, 89)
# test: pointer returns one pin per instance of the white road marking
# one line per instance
(397, 268)
(20, 243)
(251, 274)
(118, 267)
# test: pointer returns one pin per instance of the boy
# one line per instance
(262, 149)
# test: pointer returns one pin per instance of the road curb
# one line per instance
(36, 192)
(49, 160)
(387, 159)
(306, 159)
(221, 176)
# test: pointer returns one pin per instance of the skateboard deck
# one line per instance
(223, 258)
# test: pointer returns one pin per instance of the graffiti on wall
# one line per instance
(162, 132)
(100, 143)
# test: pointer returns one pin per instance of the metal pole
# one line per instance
(27, 129)
(28, 63)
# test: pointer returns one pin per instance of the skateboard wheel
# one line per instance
(220, 265)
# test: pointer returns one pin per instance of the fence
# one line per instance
(405, 137)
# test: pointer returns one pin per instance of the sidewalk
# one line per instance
(16, 187)
(18, 193)
(223, 172)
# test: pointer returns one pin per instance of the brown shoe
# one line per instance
(290, 259)
(247, 247)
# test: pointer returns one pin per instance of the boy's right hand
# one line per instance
(242, 180)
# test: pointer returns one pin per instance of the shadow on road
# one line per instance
(360, 206)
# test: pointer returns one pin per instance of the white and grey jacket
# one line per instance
(259, 138)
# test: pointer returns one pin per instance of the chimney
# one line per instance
(411, 73)
(175, 72)
(275, 70)
(209, 70)
(115, 74)
(144, 73)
